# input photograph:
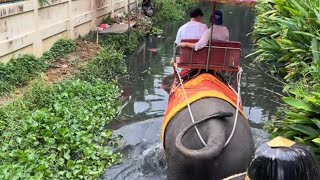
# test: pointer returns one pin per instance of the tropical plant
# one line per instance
(299, 119)
(287, 35)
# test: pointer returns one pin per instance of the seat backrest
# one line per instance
(223, 54)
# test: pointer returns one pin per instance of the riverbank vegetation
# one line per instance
(19, 71)
(287, 37)
(59, 130)
(168, 10)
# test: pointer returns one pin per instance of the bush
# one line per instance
(59, 49)
(18, 72)
(286, 34)
(299, 118)
(108, 65)
(168, 10)
(59, 132)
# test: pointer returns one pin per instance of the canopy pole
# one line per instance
(211, 31)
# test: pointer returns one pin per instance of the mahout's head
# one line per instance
(282, 159)
(167, 83)
(196, 14)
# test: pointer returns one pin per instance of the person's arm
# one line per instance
(227, 34)
(203, 41)
(187, 44)
(178, 37)
(200, 44)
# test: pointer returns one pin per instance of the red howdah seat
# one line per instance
(224, 56)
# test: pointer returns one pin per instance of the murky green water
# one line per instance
(140, 120)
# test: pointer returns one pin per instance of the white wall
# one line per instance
(25, 27)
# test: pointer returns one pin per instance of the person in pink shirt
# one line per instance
(220, 33)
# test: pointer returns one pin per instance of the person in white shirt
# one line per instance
(194, 28)
(220, 33)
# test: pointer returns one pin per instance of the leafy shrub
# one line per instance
(108, 64)
(286, 34)
(18, 72)
(168, 10)
(119, 42)
(59, 49)
(299, 119)
(59, 132)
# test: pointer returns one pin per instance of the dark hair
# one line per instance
(196, 12)
(167, 82)
(284, 163)
(218, 18)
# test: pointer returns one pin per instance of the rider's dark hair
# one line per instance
(196, 12)
(295, 163)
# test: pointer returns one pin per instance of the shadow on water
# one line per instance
(140, 120)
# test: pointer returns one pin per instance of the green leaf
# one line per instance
(315, 51)
(317, 122)
(317, 141)
(299, 104)
(66, 155)
(305, 129)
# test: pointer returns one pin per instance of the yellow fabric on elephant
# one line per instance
(202, 86)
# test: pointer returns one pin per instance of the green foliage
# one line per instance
(299, 118)
(156, 31)
(168, 10)
(108, 65)
(108, 20)
(18, 72)
(286, 34)
(59, 49)
(58, 132)
(119, 42)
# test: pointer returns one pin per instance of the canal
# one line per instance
(140, 120)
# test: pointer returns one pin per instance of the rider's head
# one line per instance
(283, 159)
(196, 14)
(217, 18)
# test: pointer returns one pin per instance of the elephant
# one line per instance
(188, 159)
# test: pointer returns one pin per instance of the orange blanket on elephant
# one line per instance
(202, 86)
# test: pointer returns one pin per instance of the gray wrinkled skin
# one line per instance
(233, 159)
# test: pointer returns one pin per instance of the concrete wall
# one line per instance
(26, 27)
